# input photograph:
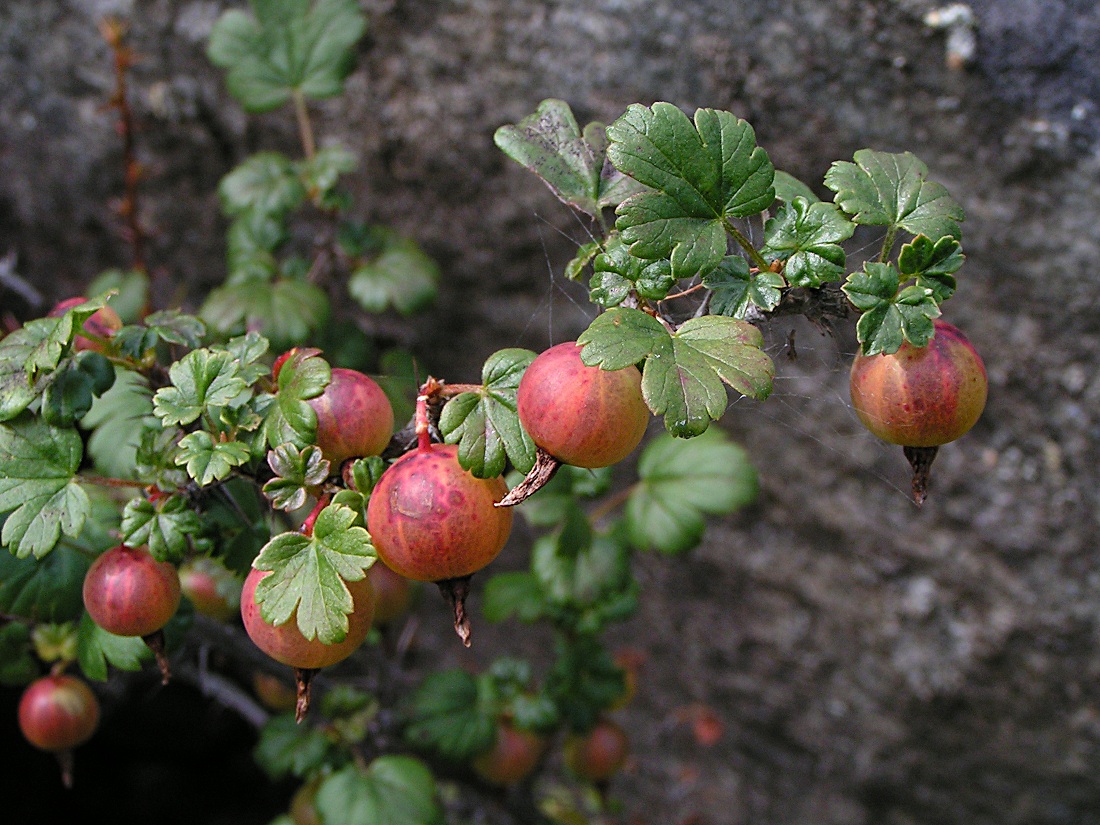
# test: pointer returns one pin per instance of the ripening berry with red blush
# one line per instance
(581, 415)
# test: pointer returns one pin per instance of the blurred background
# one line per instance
(858, 660)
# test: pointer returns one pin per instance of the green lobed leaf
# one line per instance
(286, 49)
(550, 143)
(295, 472)
(447, 716)
(67, 397)
(209, 460)
(290, 420)
(891, 315)
(788, 187)
(516, 594)
(266, 182)
(703, 173)
(116, 421)
(308, 574)
(933, 264)
(251, 243)
(892, 190)
(401, 276)
(175, 327)
(484, 423)
(286, 311)
(38, 487)
(680, 483)
(735, 288)
(616, 272)
(58, 336)
(18, 389)
(621, 337)
(286, 748)
(201, 379)
(585, 254)
(165, 526)
(395, 790)
(807, 236)
(685, 381)
(98, 650)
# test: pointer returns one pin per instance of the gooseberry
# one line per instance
(129, 593)
(56, 714)
(597, 755)
(921, 397)
(581, 415)
(514, 754)
(354, 417)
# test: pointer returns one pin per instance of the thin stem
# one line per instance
(114, 32)
(305, 127)
(746, 244)
(683, 293)
(103, 481)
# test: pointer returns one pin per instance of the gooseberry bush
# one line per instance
(254, 462)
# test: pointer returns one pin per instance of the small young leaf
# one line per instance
(446, 715)
(59, 335)
(585, 253)
(266, 182)
(704, 174)
(685, 380)
(38, 487)
(735, 288)
(616, 272)
(484, 423)
(200, 380)
(401, 275)
(295, 471)
(681, 482)
(890, 317)
(208, 460)
(308, 574)
(933, 264)
(174, 327)
(290, 420)
(395, 790)
(251, 243)
(807, 236)
(286, 49)
(165, 527)
(891, 190)
(321, 172)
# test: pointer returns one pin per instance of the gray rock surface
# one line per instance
(871, 662)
